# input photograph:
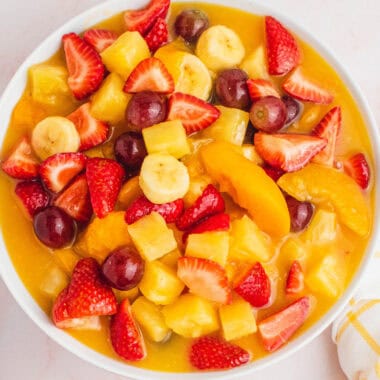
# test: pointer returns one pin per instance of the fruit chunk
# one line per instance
(255, 63)
(237, 319)
(322, 228)
(300, 213)
(100, 39)
(171, 258)
(67, 259)
(129, 192)
(151, 236)
(256, 192)
(295, 279)
(33, 196)
(278, 328)
(191, 316)
(160, 284)
(131, 294)
(149, 317)
(190, 24)
(54, 281)
(321, 185)
(294, 249)
(357, 167)
(259, 88)
(158, 35)
(293, 108)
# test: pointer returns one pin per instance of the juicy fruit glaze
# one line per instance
(192, 184)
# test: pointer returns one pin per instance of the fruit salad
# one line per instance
(192, 185)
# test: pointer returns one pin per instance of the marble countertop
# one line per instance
(349, 28)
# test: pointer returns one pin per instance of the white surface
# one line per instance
(349, 28)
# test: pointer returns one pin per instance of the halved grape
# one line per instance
(190, 24)
(293, 108)
(300, 213)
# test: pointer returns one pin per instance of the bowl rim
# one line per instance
(10, 277)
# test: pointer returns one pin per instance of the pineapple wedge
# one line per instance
(322, 228)
(171, 258)
(255, 64)
(129, 192)
(54, 281)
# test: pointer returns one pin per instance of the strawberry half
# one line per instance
(33, 196)
(282, 49)
(100, 39)
(84, 64)
(21, 163)
(126, 337)
(142, 20)
(295, 280)
(210, 202)
(205, 278)
(357, 167)
(158, 35)
(214, 353)
(91, 131)
(259, 88)
(194, 113)
(75, 200)
(58, 170)
(278, 328)
(254, 286)
(328, 128)
(104, 178)
(289, 152)
(301, 88)
(85, 297)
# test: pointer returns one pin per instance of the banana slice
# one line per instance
(220, 48)
(163, 178)
(54, 134)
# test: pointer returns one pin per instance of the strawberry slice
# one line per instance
(328, 128)
(254, 286)
(282, 49)
(158, 35)
(91, 131)
(84, 64)
(150, 75)
(302, 88)
(142, 20)
(100, 39)
(357, 167)
(259, 88)
(214, 353)
(75, 200)
(58, 170)
(21, 163)
(295, 280)
(84, 298)
(205, 278)
(210, 202)
(278, 328)
(289, 152)
(126, 337)
(33, 196)
(104, 178)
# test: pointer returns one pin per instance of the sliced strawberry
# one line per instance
(86, 296)
(274, 173)
(33, 196)
(21, 163)
(289, 152)
(91, 131)
(104, 178)
(214, 353)
(295, 280)
(158, 35)
(100, 39)
(84, 64)
(278, 328)
(254, 286)
(142, 20)
(357, 167)
(259, 88)
(58, 170)
(150, 75)
(205, 278)
(282, 49)
(328, 128)
(210, 202)
(302, 88)
(75, 200)
(126, 337)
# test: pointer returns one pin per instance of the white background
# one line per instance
(349, 28)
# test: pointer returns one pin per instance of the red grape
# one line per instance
(300, 213)
(293, 108)
(190, 24)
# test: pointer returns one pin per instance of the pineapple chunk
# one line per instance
(237, 319)
(110, 101)
(255, 64)
(171, 259)
(152, 237)
(248, 242)
(130, 191)
(151, 320)
(131, 294)
(322, 228)
(167, 137)
(160, 283)
(196, 187)
(249, 151)
(66, 259)
(125, 54)
(55, 280)
(191, 316)
(209, 245)
(293, 249)
(231, 126)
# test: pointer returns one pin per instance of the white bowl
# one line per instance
(9, 99)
